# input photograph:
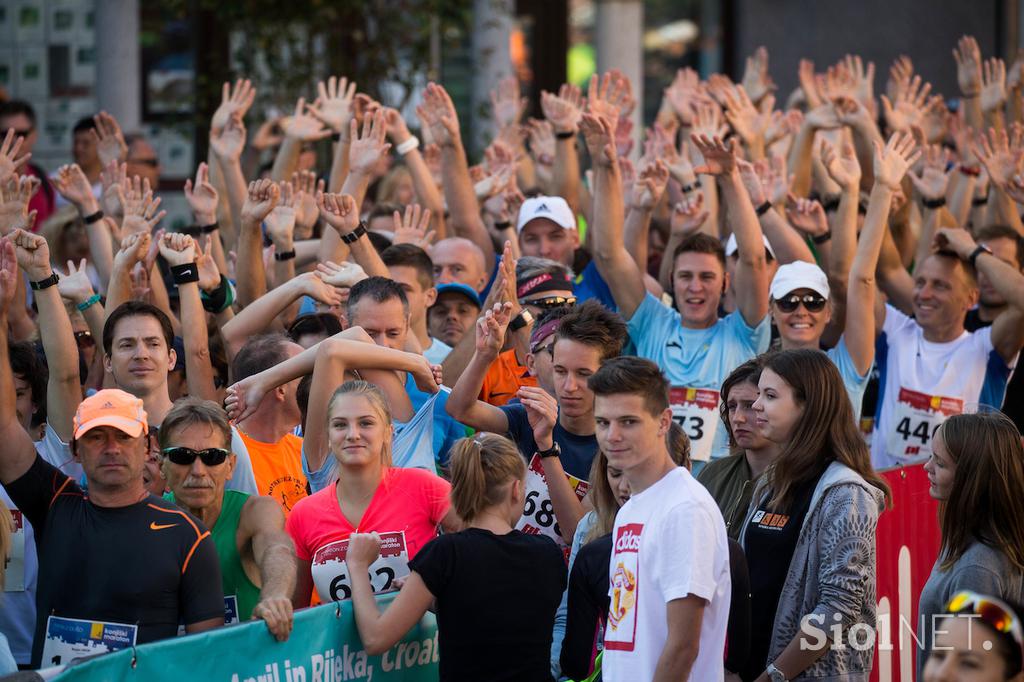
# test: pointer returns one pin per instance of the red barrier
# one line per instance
(908, 543)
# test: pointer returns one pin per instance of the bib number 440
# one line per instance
(922, 430)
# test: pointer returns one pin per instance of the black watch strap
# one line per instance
(980, 249)
(45, 283)
(822, 238)
(553, 451)
(284, 255)
(934, 203)
(355, 234)
(763, 208)
(521, 320)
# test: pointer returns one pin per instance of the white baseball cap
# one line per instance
(799, 275)
(732, 247)
(554, 209)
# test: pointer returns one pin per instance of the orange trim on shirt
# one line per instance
(59, 491)
(179, 513)
(192, 551)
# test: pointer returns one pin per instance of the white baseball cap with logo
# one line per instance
(554, 209)
(732, 247)
(799, 275)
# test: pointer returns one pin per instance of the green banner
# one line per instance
(323, 647)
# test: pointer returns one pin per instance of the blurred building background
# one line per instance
(157, 65)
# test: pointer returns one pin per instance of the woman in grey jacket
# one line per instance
(810, 531)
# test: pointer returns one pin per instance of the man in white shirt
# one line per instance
(670, 586)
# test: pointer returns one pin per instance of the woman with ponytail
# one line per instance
(496, 588)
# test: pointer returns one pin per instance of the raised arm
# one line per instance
(787, 244)
(262, 524)
(563, 111)
(280, 228)
(408, 147)
(226, 145)
(263, 196)
(72, 184)
(335, 107)
(462, 404)
(751, 283)
(341, 212)
(298, 129)
(18, 452)
(931, 184)
(968, 76)
(63, 387)
(643, 197)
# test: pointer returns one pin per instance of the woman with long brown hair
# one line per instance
(810, 532)
(976, 472)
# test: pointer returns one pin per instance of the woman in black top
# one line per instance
(496, 588)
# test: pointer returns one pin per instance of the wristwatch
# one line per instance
(355, 234)
(775, 674)
(45, 283)
(521, 320)
(981, 248)
(553, 451)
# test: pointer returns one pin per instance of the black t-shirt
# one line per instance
(586, 606)
(577, 451)
(149, 563)
(770, 539)
(496, 602)
(1013, 403)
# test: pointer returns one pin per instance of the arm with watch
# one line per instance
(63, 387)
(179, 250)
(263, 196)
(341, 212)
(72, 184)
(408, 147)
(1008, 327)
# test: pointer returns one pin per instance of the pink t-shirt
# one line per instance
(409, 500)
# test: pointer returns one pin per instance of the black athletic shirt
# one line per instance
(1013, 403)
(496, 602)
(586, 606)
(149, 563)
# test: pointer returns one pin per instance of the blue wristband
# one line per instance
(88, 303)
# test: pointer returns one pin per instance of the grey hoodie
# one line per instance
(832, 573)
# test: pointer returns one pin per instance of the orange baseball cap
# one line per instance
(111, 407)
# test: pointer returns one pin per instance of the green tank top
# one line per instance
(233, 578)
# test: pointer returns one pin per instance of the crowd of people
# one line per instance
(608, 414)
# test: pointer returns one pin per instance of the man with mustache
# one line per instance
(257, 557)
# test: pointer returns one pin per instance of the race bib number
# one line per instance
(14, 578)
(68, 639)
(231, 609)
(696, 410)
(331, 575)
(538, 513)
(620, 635)
(914, 420)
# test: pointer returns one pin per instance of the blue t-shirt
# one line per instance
(589, 284)
(854, 382)
(577, 451)
(696, 361)
(446, 429)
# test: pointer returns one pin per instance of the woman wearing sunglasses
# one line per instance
(976, 472)
(979, 639)
(809, 535)
(801, 304)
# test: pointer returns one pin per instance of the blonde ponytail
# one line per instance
(482, 467)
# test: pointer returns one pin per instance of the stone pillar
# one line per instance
(118, 62)
(492, 61)
(620, 31)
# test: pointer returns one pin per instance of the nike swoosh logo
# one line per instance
(156, 526)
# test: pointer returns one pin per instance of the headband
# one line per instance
(545, 282)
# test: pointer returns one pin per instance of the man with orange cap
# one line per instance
(117, 566)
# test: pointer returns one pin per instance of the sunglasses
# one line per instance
(812, 302)
(84, 339)
(151, 163)
(551, 302)
(994, 612)
(186, 456)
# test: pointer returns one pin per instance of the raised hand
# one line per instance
(688, 215)
(243, 397)
(605, 97)
(177, 248)
(33, 254)
(1001, 159)
(140, 209)
(9, 159)
(708, 120)
(438, 114)
(822, 117)
(956, 240)
(490, 329)
(110, 144)
(968, 66)
(541, 413)
(756, 81)
(425, 375)
(262, 198)
(72, 184)
(863, 78)
(209, 273)
(280, 222)
(114, 180)
(892, 162)
(414, 227)
(563, 110)
(910, 106)
(542, 140)
(933, 179)
(343, 276)
(749, 123)
(306, 212)
(842, 166)
(684, 94)
(134, 248)
(774, 178)
(366, 150)
(649, 186)
(507, 106)
(75, 285)
(202, 196)
(303, 127)
(808, 83)
(807, 215)
(993, 85)
(339, 211)
(752, 181)
(8, 274)
(900, 73)
(314, 285)
(599, 136)
(228, 142)
(334, 104)
(15, 193)
(719, 157)
(234, 102)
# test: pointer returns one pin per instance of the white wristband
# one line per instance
(407, 146)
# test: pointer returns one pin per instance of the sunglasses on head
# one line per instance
(186, 456)
(995, 613)
(812, 302)
(551, 302)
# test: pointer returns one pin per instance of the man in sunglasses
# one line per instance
(120, 560)
(257, 556)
